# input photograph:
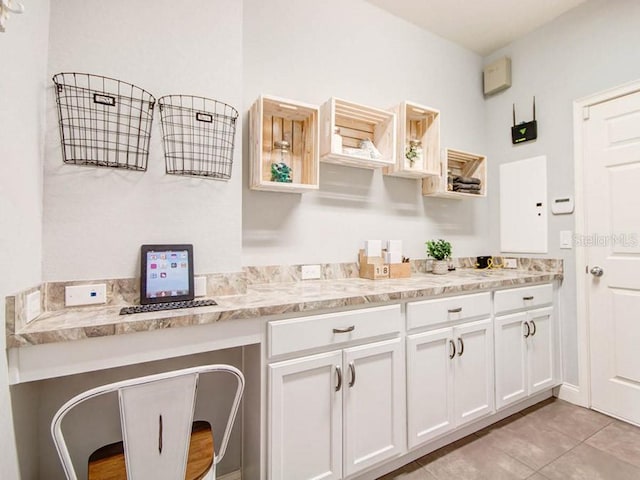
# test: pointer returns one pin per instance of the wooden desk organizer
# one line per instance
(374, 268)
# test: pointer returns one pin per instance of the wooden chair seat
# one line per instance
(107, 463)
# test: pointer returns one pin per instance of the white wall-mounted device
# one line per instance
(497, 76)
(562, 205)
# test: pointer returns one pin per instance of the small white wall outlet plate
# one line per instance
(85, 295)
(33, 306)
(510, 263)
(566, 239)
(311, 272)
(200, 286)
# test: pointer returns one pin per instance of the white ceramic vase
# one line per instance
(440, 267)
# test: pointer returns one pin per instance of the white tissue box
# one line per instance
(373, 248)
(392, 257)
(394, 246)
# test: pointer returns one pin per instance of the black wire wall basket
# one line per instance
(103, 121)
(198, 136)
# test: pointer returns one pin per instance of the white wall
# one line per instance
(23, 54)
(586, 50)
(309, 51)
(96, 219)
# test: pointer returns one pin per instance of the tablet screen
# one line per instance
(166, 273)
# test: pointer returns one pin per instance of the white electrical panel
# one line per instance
(497, 76)
(523, 206)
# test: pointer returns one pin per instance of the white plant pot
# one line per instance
(440, 267)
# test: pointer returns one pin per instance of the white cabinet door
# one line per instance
(374, 404)
(473, 371)
(541, 349)
(305, 421)
(429, 385)
(511, 358)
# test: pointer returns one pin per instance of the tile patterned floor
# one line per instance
(553, 440)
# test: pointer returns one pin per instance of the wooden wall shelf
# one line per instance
(417, 122)
(458, 163)
(357, 123)
(273, 119)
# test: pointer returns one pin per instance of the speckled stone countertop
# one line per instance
(268, 299)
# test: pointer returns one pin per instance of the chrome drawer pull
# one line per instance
(461, 349)
(352, 369)
(528, 330)
(339, 372)
(455, 310)
(535, 329)
(453, 347)
(530, 297)
(344, 330)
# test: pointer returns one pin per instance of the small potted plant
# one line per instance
(440, 251)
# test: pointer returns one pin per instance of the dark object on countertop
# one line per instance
(483, 262)
(156, 307)
(405, 259)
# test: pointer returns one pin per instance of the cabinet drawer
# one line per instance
(442, 310)
(525, 297)
(298, 334)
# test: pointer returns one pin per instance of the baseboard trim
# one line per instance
(237, 475)
(572, 394)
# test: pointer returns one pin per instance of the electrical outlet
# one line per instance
(33, 306)
(510, 263)
(200, 286)
(311, 272)
(85, 295)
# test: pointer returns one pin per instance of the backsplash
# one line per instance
(126, 291)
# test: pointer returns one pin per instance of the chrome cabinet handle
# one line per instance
(453, 347)
(344, 330)
(530, 297)
(339, 372)
(352, 369)
(596, 271)
(461, 347)
(535, 329)
(528, 329)
(455, 310)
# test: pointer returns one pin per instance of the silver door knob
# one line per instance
(597, 271)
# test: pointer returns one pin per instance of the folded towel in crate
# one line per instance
(467, 186)
(466, 190)
(467, 180)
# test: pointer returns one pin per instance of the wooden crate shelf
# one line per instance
(459, 163)
(273, 119)
(417, 122)
(356, 123)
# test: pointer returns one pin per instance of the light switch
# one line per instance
(566, 239)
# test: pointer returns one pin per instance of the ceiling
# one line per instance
(482, 26)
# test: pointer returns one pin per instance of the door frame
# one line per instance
(581, 394)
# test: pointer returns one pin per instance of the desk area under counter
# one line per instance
(80, 340)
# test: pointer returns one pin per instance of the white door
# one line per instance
(540, 347)
(374, 404)
(430, 360)
(473, 371)
(511, 358)
(612, 181)
(305, 418)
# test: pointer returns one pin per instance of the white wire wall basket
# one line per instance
(198, 136)
(104, 122)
